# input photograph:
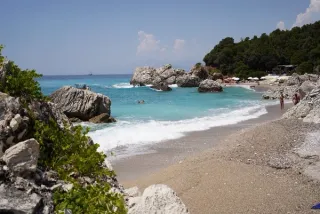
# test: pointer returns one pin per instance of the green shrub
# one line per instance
(65, 150)
(92, 199)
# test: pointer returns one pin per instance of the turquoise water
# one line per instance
(165, 115)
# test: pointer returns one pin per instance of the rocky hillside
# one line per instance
(296, 83)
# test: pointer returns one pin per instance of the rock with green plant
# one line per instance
(48, 165)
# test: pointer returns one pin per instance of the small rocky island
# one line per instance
(161, 78)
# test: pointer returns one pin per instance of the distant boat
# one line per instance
(90, 74)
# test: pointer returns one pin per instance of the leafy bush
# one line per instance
(21, 83)
(67, 151)
(92, 199)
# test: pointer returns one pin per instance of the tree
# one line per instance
(298, 46)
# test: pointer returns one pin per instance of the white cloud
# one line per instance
(148, 43)
(281, 25)
(306, 17)
(179, 44)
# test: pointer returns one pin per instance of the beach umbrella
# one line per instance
(263, 78)
(255, 78)
(250, 78)
(236, 78)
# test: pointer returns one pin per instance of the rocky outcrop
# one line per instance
(200, 72)
(143, 76)
(307, 109)
(161, 87)
(295, 83)
(156, 199)
(102, 118)
(152, 76)
(188, 80)
(306, 87)
(23, 187)
(210, 86)
(217, 76)
(81, 104)
(15, 119)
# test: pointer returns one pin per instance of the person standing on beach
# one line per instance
(296, 98)
(281, 101)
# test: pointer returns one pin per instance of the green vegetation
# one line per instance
(66, 151)
(20, 83)
(253, 57)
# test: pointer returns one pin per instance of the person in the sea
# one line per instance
(281, 100)
(296, 98)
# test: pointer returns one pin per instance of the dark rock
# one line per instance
(161, 87)
(217, 76)
(102, 118)
(199, 71)
(188, 80)
(13, 200)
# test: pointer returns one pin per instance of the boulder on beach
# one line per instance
(161, 87)
(152, 76)
(81, 104)
(307, 109)
(188, 80)
(157, 198)
(306, 87)
(210, 86)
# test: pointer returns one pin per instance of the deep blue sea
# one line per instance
(165, 115)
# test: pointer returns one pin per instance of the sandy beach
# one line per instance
(249, 167)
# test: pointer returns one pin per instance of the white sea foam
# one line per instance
(122, 85)
(125, 133)
(241, 86)
(173, 86)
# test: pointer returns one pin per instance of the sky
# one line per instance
(115, 36)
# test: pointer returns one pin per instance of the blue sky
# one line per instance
(115, 36)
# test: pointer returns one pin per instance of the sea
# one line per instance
(163, 116)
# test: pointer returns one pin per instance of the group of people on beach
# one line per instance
(295, 99)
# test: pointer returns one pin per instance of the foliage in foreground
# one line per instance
(65, 150)
(298, 46)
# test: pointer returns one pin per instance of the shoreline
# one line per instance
(255, 169)
(163, 154)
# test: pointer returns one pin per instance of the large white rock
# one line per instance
(158, 199)
(79, 103)
(209, 85)
(22, 157)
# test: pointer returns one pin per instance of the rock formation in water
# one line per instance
(210, 86)
(152, 76)
(161, 87)
(83, 104)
